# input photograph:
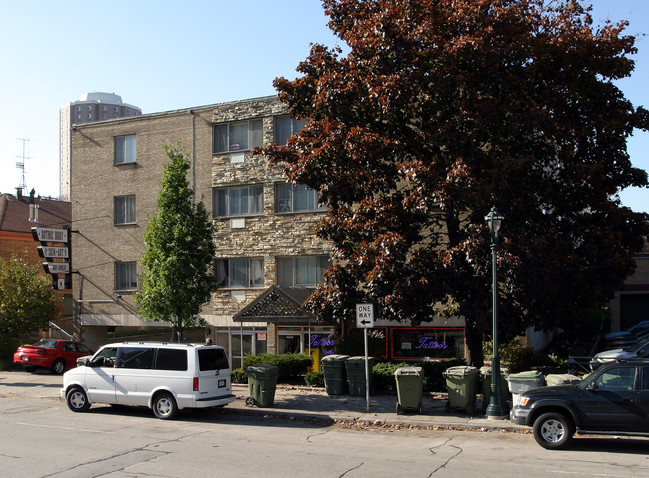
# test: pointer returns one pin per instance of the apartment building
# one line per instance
(268, 257)
(90, 107)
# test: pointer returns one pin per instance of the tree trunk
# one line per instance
(474, 344)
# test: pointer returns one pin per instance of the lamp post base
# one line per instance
(496, 413)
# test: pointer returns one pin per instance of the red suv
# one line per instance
(57, 355)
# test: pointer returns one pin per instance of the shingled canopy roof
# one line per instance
(278, 305)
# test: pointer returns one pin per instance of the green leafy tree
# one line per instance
(177, 278)
(27, 300)
(442, 109)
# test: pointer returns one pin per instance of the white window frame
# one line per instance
(291, 272)
(126, 275)
(287, 197)
(228, 269)
(224, 142)
(125, 149)
(124, 209)
(254, 198)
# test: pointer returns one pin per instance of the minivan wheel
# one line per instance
(77, 400)
(553, 430)
(164, 406)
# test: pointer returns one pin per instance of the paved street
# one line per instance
(42, 438)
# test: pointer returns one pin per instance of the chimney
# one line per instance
(33, 207)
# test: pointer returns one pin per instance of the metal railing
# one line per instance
(58, 329)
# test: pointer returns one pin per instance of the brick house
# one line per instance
(18, 214)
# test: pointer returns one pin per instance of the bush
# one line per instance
(518, 357)
(239, 376)
(315, 379)
(289, 365)
(434, 381)
(383, 375)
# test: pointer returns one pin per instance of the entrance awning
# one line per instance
(278, 305)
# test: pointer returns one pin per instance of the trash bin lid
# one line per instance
(486, 370)
(460, 371)
(528, 374)
(561, 378)
(409, 371)
(262, 369)
(335, 358)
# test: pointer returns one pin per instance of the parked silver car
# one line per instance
(636, 351)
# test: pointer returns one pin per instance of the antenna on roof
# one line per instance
(21, 165)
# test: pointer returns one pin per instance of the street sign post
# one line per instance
(365, 320)
(56, 267)
(46, 234)
(51, 249)
(50, 252)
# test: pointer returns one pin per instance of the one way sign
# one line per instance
(365, 316)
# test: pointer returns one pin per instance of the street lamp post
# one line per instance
(495, 409)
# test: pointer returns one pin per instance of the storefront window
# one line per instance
(377, 344)
(427, 343)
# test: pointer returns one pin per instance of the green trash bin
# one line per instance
(333, 367)
(485, 375)
(262, 382)
(410, 388)
(462, 386)
(523, 381)
(355, 367)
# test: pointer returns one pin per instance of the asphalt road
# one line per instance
(42, 438)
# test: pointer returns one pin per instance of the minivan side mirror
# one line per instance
(592, 387)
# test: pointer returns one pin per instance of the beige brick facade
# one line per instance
(97, 180)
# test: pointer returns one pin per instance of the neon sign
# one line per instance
(430, 343)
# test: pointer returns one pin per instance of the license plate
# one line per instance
(26, 359)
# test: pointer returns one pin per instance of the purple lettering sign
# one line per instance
(430, 343)
(320, 341)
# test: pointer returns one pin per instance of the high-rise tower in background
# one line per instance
(91, 107)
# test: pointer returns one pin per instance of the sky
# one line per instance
(161, 55)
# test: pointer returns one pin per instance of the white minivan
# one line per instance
(165, 377)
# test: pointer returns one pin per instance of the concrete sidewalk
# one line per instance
(307, 403)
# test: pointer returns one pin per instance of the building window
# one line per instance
(285, 127)
(125, 149)
(238, 200)
(78, 108)
(125, 210)
(301, 271)
(125, 276)
(89, 116)
(237, 136)
(116, 109)
(289, 198)
(240, 273)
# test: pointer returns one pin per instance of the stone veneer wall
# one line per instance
(269, 235)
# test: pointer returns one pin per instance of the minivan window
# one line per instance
(105, 357)
(136, 357)
(171, 359)
(212, 359)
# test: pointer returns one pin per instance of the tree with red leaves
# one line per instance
(442, 109)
